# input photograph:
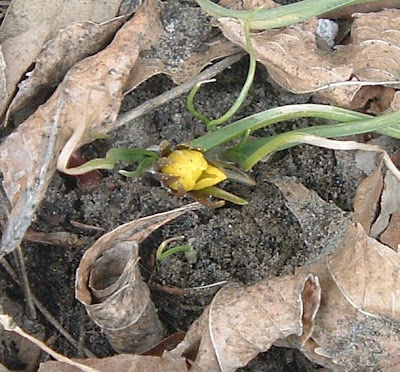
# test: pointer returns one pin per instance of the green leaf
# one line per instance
(281, 16)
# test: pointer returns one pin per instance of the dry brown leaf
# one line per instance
(374, 6)
(366, 200)
(389, 203)
(323, 224)
(87, 101)
(123, 363)
(248, 4)
(184, 47)
(109, 284)
(29, 24)
(68, 46)
(377, 207)
(391, 236)
(243, 321)
(294, 61)
(358, 323)
(357, 326)
(373, 99)
(3, 81)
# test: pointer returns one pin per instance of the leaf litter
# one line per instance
(23, 38)
(327, 308)
(294, 61)
(322, 310)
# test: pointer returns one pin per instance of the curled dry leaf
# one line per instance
(294, 61)
(29, 24)
(358, 323)
(86, 102)
(243, 321)
(109, 284)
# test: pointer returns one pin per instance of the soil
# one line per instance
(233, 243)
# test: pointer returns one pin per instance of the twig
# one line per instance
(351, 83)
(25, 282)
(164, 98)
(19, 257)
(210, 289)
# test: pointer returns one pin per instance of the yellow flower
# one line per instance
(192, 170)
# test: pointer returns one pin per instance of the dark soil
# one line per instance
(234, 243)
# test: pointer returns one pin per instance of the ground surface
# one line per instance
(233, 243)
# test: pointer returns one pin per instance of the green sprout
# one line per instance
(162, 253)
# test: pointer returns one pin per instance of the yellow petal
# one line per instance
(187, 165)
(210, 177)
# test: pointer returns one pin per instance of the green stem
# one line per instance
(257, 121)
(223, 194)
(253, 152)
(190, 102)
(282, 16)
(212, 125)
(143, 165)
(171, 251)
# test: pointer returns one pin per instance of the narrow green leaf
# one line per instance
(281, 16)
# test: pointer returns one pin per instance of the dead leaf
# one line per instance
(167, 343)
(68, 46)
(3, 81)
(391, 236)
(323, 224)
(294, 61)
(86, 102)
(357, 324)
(249, 4)
(109, 284)
(29, 24)
(390, 202)
(377, 207)
(184, 47)
(122, 362)
(243, 321)
(366, 200)
(373, 99)
(374, 6)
